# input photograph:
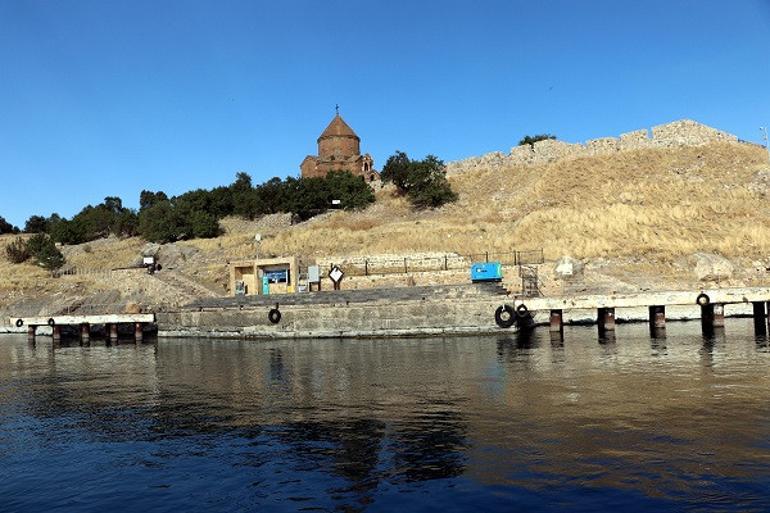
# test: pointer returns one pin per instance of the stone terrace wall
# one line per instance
(684, 132)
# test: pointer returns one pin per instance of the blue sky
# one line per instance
(107, 97)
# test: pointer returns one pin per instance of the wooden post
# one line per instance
(556, 325)
(31, 333)
(760, 322)
(446, 263)
(138, 332)
(57, 333)
(113, 332)
(657, 317)
(85, 332)
(606, 319)
(406, 268)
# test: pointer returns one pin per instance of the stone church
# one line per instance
(339, 150)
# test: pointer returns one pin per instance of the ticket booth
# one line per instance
(265, 276)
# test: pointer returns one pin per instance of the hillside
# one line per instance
(634, 217)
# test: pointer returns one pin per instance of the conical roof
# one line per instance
(338, 128)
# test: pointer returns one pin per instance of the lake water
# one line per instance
(456, 424)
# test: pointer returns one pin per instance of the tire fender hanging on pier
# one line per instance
(51, 322)
(274, 316)
(522, 310)
(703, 299)
(505, 316)
(19, 323)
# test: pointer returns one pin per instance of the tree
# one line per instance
(428, 186)
(532, 139)
(149, 198)
(396, 170)
(36, 224)
(160, 223)
(43, 249)
(422, 181)
(6, 227)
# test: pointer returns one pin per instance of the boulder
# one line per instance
(711, 267)
(568, 267)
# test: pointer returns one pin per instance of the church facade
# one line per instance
(339, 149)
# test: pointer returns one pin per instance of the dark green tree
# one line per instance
(6, 227)
(160, 223)
(149, 198)
(532, 139)
(36, 224)
(422, 181)
(43, 249)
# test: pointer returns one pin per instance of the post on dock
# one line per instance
(760, 321)
(113, 332)
(31, 333)
(85, 332)
(606, 319)
(57, 333)
(713, 315)
(557, 321)
(658, 316)
(138, 331)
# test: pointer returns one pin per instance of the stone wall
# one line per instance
(684, 132)
(409, 318)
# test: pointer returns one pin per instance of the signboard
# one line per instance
(336, 275)
(313, 274)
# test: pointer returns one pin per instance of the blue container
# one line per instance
(486, 271)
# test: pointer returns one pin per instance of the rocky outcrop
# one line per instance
(684, 132)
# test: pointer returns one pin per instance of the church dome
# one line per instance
(338, 128)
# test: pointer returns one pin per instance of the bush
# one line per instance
(532, 139)
(17, 251)
(43, 249)
(422, 181)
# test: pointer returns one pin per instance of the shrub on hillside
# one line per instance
(532, 139)
(17, 251)
(422, 181)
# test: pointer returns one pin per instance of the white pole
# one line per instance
(764, 135)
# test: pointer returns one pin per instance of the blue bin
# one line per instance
(486, 271)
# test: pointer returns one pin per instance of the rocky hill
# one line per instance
(667, 208)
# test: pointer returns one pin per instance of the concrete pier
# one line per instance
(657, 317)
(556, 321)
(606, 319)
(760, 317)
(81, 324)
(85, 332)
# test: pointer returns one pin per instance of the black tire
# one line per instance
(19, 323)
(703, 299)
(274, 316)
(522, 311)
(51, 322)
(505, 316)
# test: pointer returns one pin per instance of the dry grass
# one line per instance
(655, 203)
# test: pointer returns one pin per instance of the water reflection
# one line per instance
(536, 420)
